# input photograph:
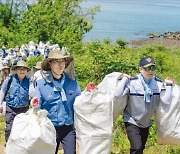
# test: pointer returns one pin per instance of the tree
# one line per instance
(62, 22)
(10, 12)
(58, 21)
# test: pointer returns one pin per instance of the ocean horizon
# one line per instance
(132, 19)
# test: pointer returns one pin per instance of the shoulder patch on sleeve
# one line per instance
(134, 78)
(158, 79)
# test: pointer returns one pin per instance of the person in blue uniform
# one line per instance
(144, 91)
(5, 71)
(56, 91)
(15, 90)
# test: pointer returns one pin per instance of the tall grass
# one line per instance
(2, 126)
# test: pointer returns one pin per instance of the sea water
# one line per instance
(132, 19)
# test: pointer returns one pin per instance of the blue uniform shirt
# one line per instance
(18, 93)
(60, 110)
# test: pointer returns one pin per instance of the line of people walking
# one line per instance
(56, 88)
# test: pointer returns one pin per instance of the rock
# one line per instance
(153, 35)
(167, 35)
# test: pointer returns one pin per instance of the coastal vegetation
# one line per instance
(93, 60)
(61, 22)
(96, 59)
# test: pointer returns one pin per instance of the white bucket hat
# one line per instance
(21, 64)
(38, 65)
(57, 54)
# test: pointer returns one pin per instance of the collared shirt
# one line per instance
(17, 95)
(32, 86)
(49, 95)
(137, 111)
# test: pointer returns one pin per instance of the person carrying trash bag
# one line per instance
(144, 94)
(94, 112)
(15, 90)
(32, 132)
(56, 92)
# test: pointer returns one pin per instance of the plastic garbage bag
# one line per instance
(32, 133)
(168, 120)
(94, 116)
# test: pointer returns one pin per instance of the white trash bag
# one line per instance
(94, 117)
(168, 120)
(32, 133)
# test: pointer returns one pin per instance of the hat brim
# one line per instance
(147, 65)
(14, 67)
(45, 64)
(37, 68)
(5, 67)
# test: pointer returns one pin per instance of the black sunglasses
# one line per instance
(150, 68)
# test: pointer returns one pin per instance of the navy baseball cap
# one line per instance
(147, 61)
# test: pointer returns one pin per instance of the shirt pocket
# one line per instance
(24, 93)
(70, 94)
(49, 96)
(52, 113)
(139, 90)
(52, 98)
(12, 92)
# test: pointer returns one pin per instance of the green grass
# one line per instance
(2, 126)
(120, 143)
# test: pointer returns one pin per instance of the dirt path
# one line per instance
(1, 149)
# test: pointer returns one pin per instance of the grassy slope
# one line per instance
(2, 125)
(121, 144)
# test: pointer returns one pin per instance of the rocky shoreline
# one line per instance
(161, 41)
(167, 35)
(169, 39)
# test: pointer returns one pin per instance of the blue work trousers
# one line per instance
(67, 137)
(137, 137)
